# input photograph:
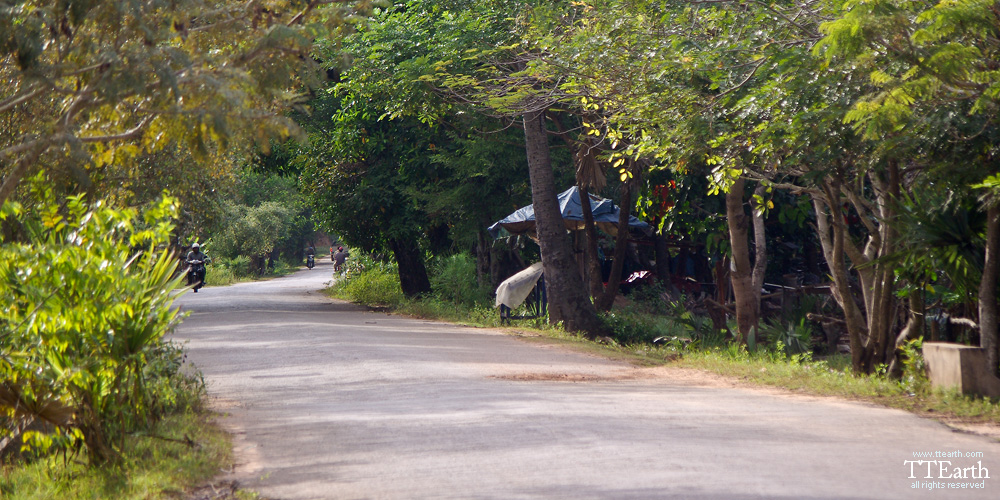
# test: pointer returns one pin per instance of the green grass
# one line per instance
(834, 379)
(181, 452)
(825, 377)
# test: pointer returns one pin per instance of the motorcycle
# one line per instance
(196, 274)
(310, 261)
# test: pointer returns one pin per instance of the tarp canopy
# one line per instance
(605, 216)
(515, 289)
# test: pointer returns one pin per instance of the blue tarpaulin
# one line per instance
(605, 216)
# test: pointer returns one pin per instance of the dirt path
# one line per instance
(328, 401)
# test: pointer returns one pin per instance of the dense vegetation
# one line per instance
(129, 131)
(88, 294)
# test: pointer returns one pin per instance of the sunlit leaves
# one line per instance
(87, 304)
(917, 52)
(110, 81)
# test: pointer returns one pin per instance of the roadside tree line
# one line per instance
(873, 123)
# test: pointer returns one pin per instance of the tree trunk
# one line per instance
(412, 272)
(742, 274)
(721, 276)
(593, 263)
(607, 298)
(831, 237)
(882, 316)
(482, 259)
(662, 262)
(988, 328)
(760, 247)
(568, 300)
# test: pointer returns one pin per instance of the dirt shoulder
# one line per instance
(705, 378)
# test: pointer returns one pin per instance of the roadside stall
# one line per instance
(512, 292)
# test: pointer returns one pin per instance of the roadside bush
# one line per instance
(914, 368)
(629, 329)
(794, 338)
(371, 283)
(651, 297)
(238, 266)
(216, 275)
(453, 279)
(87, 296)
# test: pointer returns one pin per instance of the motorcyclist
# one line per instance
(310, 255)
(196, 259)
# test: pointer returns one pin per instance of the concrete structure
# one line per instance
(960, 366)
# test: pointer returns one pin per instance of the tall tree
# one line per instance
(356, 168)
(468, 53)
(568, 297)
(922, 57)
(94, 83)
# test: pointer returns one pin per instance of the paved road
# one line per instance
(328, 401)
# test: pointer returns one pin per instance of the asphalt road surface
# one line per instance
(329, 401)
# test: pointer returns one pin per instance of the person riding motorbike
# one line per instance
(338, 259)
(310, 256)
(196, 273)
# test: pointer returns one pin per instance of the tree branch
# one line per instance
(14, 101)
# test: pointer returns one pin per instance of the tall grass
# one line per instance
(453, 279)
(216, 275)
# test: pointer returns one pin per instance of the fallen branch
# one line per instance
(725, 308)
(824, 319)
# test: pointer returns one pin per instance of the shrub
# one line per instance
(453, 279)
(652, 297)
(372, 283)
(794, 338)
(219, 275)
(238, 266)
(632, 325)
(914, 367)
(87, 301)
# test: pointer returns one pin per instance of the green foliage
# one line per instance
(238, 267)
(631, 329)
(264, 218)
(914, 368)
(652, 297)
(370, 282)
(453, 279)
(220, 275)
(101, 82)
(253, 231)
(388, 148)
(790, 338)
(917, 53)
(941, 233)
(88, 297)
